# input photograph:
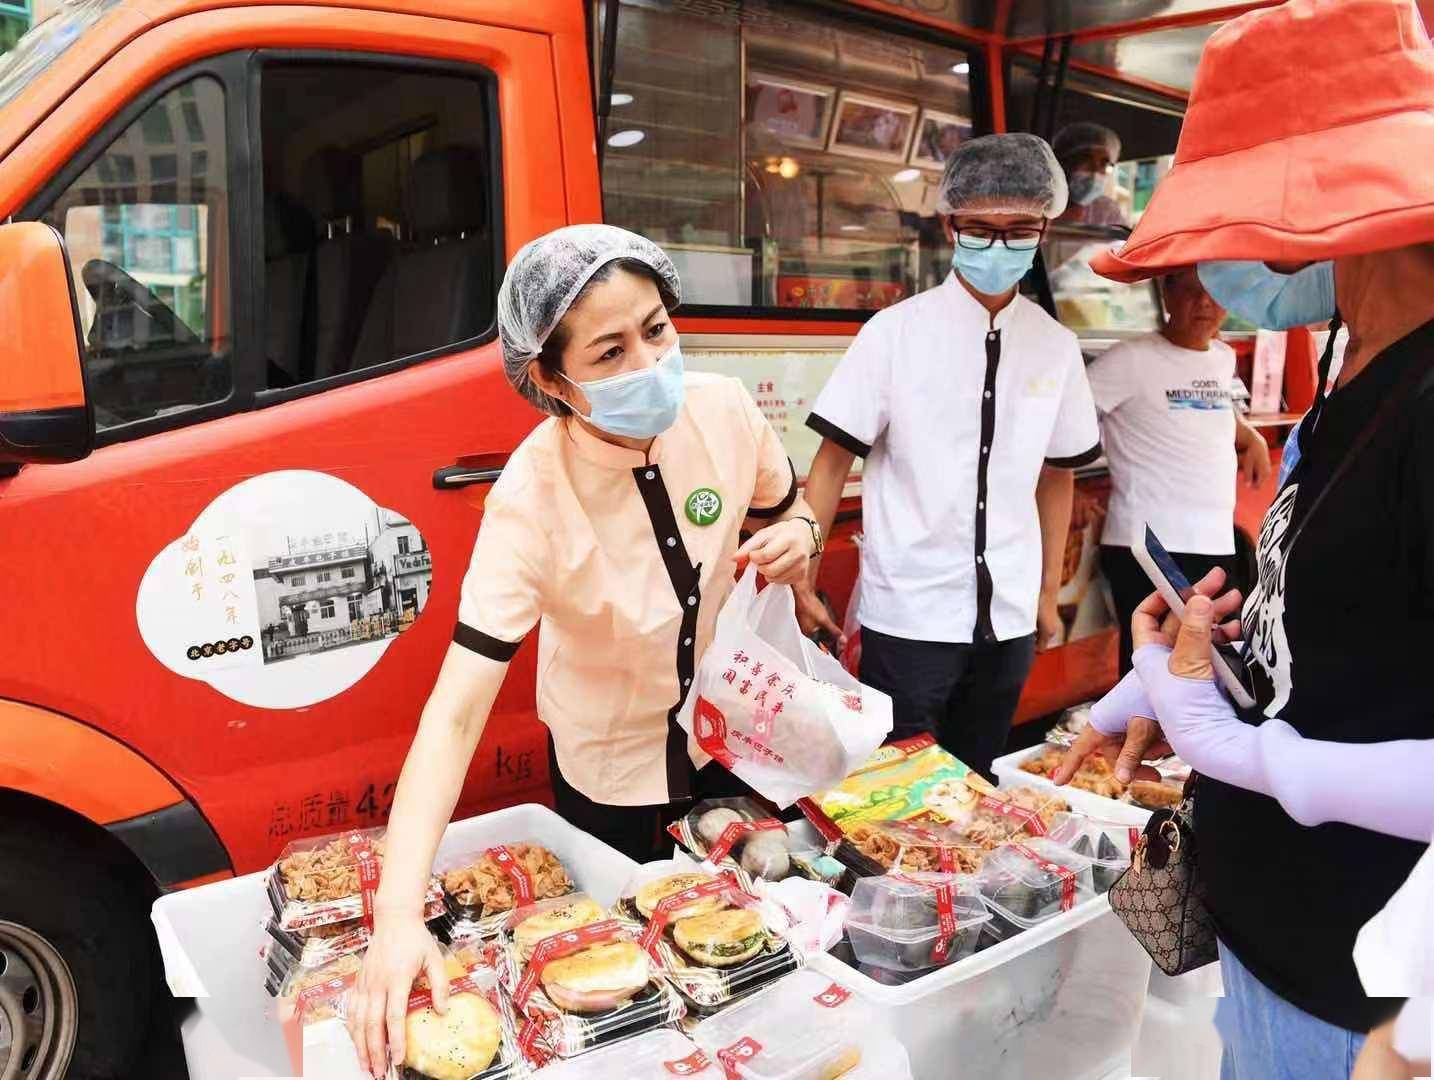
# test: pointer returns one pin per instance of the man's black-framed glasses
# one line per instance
(981, 237)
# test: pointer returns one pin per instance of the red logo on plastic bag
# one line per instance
(368, 873)
(1065, 873)
(1029, 819)
(710, 730)
(832, 996)
(744, 1049)
(691, 1065)
(560, 945)
(662, 914)
(509, 864)
(852, 702)
(735, 831)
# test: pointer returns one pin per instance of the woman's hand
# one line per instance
(780, 552)
(401, 948)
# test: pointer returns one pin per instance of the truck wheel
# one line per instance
(77, 973)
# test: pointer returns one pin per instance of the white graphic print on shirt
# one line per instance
(1264, 613)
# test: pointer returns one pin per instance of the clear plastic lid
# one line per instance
(526, 927)
(329, 879)
(654, 1055)
(911, 846)
(1104, 841)
(736, 833)
(495, 880)
(1035, 879)
(805, 1027)
(905, 908)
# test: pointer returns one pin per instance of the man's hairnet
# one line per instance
(1003, 174)
(1078, 138)
(544, 279)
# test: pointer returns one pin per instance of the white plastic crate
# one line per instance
(1008, 774)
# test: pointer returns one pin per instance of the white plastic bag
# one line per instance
(782, 715)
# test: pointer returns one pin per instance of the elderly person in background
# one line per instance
(1088, 153)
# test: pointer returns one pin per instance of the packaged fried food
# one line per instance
(1095, 775)
(914, 847)
(1154, 795)
(497, 880)
(332, 879)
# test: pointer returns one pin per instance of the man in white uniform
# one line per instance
(1174, 442)
(970, 407)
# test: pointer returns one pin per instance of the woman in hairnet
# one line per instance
(1089, 153)
(616, 525)
(971, 408)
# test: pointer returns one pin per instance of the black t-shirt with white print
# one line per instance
(1339, 630)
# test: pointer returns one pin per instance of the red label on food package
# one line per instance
(1029, 819)
(744, 1049)
(652, 933)
(1065, 873)
(363, 854)
(832, 996)
(735, 831)
(324, 991)
(531, 1045)
(945, 913)
(464, 984)
(710, 730)
(945, 854)
(691, 1065)
(509, 864)
(560, 945)
(831, 832)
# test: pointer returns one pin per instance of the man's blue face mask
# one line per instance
(1271, 300)
(992, 270)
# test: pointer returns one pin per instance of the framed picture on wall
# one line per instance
(872, 128)
(937, 136)
(789, 112)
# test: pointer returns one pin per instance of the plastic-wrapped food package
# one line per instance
(804, 1027)
(738, 833)
(655, 1055)
(1108, 844)
(1031, 881)
(330, 879)
(910, 922)
(314, 947)
(714, 940)
(527, 927)
(876, 847)
(774, 709)
(482, 887)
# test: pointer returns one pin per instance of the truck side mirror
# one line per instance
(45, 415)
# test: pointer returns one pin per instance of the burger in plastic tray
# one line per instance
(805, 1027)
(584, 987)
(473, 1040)
(715, 941)
(738, 834)
(330, 879)
(483, 887)
(656, 1055)
(1028, 882)
(1108, 844)
(911, 922)
(875, 847)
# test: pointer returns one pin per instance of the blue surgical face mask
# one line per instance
(636, 404)
(1085, 187)
(1268, 299)
(992, 270)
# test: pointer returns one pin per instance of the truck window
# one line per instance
(146, 225)
(378, 216)
(784, 159)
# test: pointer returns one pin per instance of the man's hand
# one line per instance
(1049, 627)
(1142, 740)
(1378, 1060)
(1255, 462)
(780, 552)
(812, 614)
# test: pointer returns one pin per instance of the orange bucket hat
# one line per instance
(1309, 135)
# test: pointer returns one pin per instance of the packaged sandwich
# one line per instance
(736, 833)
(713, 940)
(482, 887)
(1026, 883)
(1108, 844)
(655, 1055)
(583, 987)
(475, 1037)
(528, 926)
(330, 879)
(910, 922)
(804, 1027)
(876, 847)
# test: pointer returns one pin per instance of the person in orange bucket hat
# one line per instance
(1308, 156)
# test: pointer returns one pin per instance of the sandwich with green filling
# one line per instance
(723, 938)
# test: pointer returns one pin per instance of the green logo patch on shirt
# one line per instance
(704, 506)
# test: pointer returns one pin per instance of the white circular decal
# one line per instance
(285, 590)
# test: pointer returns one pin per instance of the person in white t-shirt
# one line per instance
(970, 407)
(1174, 442)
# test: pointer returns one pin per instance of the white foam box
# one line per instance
(210, 939)
(1008, 775)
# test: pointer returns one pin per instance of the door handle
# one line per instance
(451, 477)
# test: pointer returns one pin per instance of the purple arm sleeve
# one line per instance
(1386, 787)
(1111, 714)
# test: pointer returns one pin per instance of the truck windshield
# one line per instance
(45, 43)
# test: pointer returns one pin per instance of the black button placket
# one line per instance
(686, 579)
(984, 586)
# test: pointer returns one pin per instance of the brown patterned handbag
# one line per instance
(1160, 898)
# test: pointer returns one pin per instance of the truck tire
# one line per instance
(75, 953)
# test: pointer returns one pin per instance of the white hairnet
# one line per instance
(545, 278)
(1003, 174)
(1075, 139)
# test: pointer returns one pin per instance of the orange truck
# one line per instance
(251, 398)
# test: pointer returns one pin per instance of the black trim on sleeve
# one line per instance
(686, 586)
(1077, 461)
(783, 506)
(985, 587)
(475, 640)
(827, 430)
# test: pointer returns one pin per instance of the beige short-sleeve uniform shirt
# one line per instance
(623, 560)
